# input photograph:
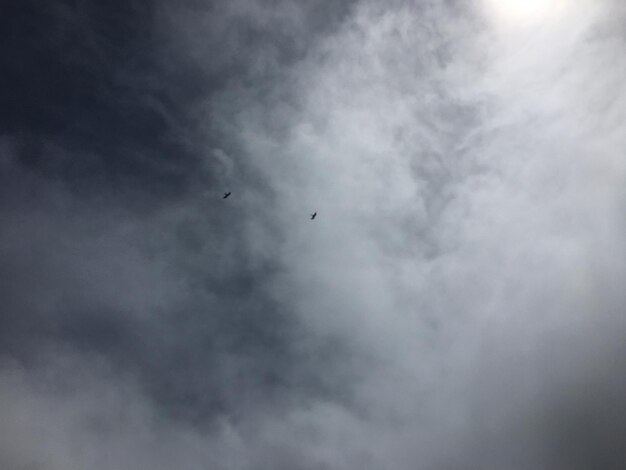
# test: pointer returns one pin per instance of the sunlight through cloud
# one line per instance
(525, 12)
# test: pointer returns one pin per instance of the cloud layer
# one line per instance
(457, 303)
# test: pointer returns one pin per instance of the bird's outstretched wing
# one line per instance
(313, 215)
(226, 195)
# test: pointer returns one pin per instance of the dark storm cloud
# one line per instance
(455, 304)
(101, 142)
(108, 94)
(81, 97)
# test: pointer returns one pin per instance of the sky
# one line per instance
(458, 302)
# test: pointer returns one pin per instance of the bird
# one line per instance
(313, 215)
(226, 195)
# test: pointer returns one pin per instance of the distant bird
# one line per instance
(313, 215)
(226, 195)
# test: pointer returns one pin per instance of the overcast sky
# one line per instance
(458, 303)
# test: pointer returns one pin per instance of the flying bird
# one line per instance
(313, 215)
(226, 195)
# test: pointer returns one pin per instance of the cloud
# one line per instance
(456, 303)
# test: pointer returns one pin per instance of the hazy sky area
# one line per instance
(457, 304)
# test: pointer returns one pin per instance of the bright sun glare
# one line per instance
(524, 12)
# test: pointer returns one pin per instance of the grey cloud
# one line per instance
(456, 303)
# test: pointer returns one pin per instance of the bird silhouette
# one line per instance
(226, 195)
(313, 215)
